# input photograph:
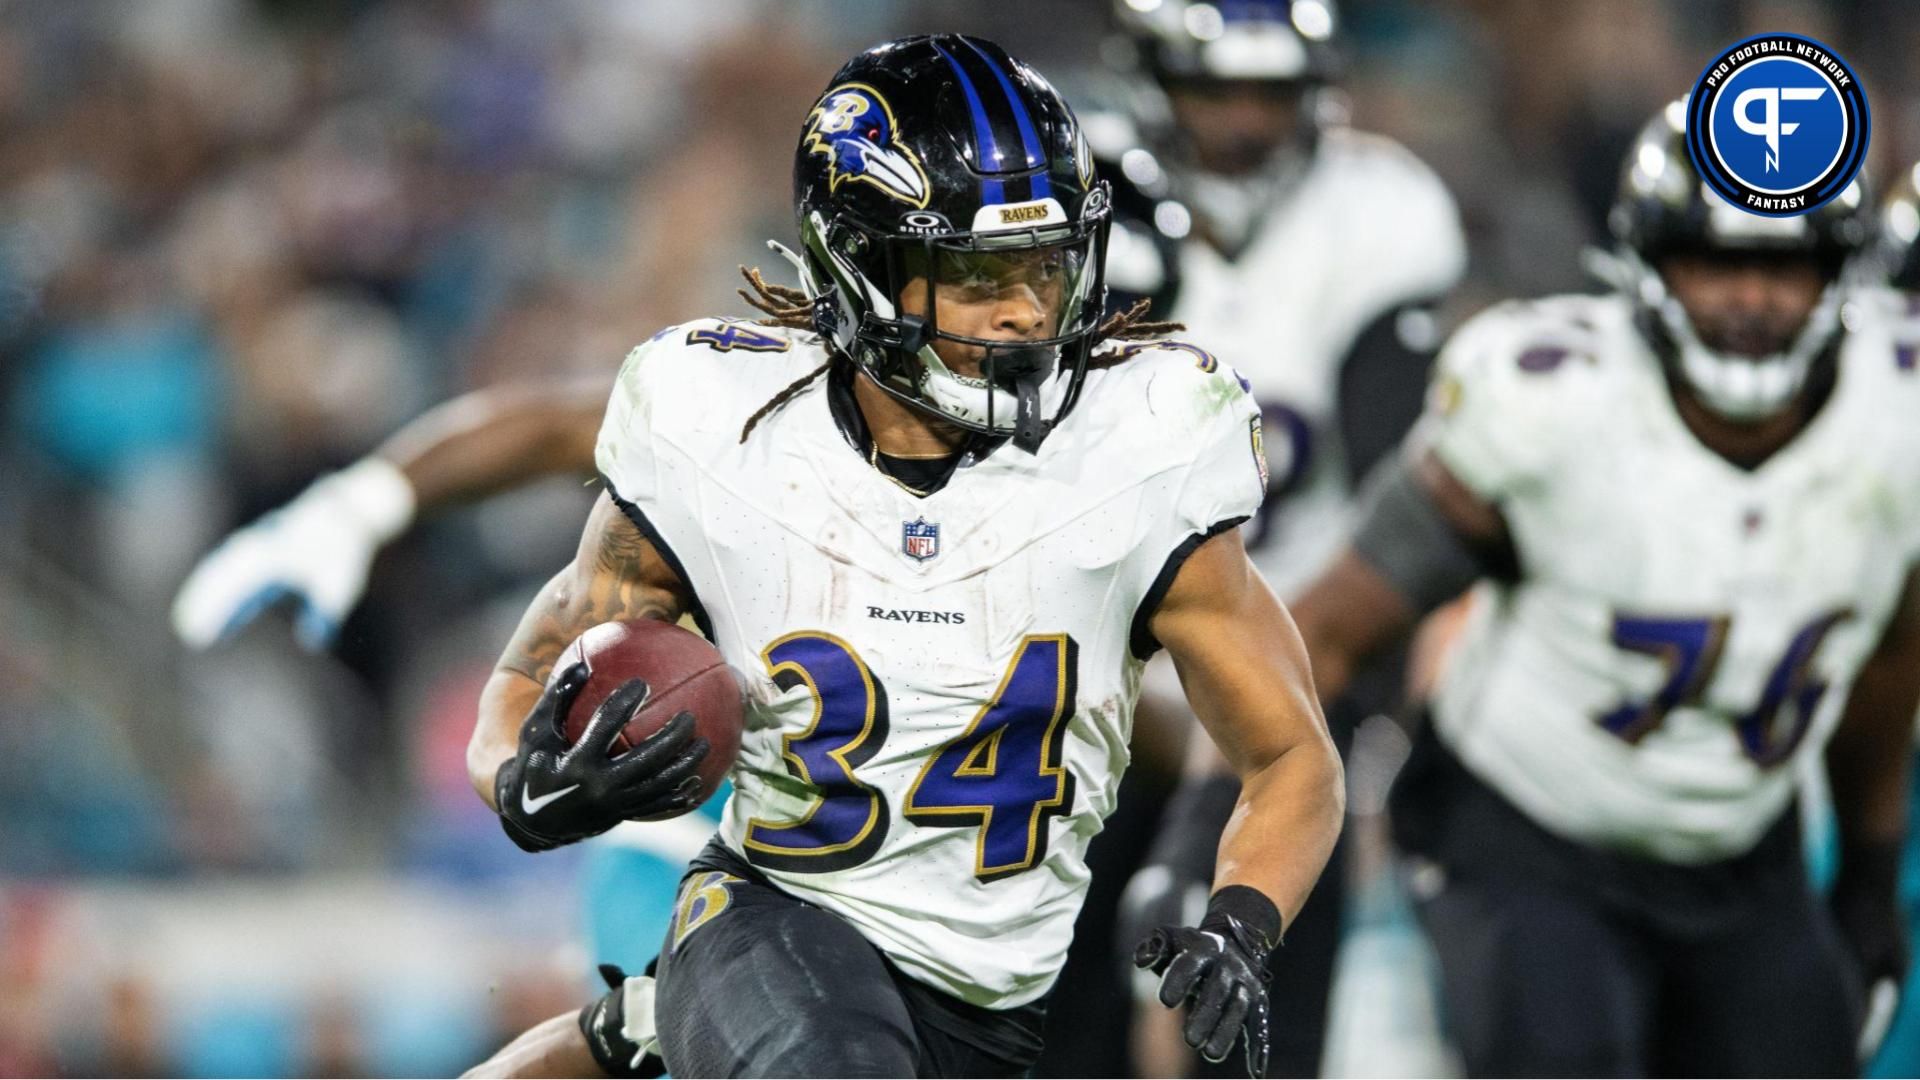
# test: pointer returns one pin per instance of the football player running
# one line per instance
(1692, 510)
(940, 424)
(1313, 254)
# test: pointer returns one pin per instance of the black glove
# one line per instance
(1866, 907)
(604, 1023)
(1171, 886)
(1220, 972)
(1865, 903)
(552, 794)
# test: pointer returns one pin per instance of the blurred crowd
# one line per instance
(241, 241)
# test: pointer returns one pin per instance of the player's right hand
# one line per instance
(550, 794)
(315, 551)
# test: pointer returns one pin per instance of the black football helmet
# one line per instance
(941, 160)
(1281, 40)
(1279, 46)
(1149, 222)
(1663, 208)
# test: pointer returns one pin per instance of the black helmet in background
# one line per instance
(1663, 209)
(1233, 96)
(1278, 40)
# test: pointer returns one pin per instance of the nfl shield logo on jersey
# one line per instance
(920, 540)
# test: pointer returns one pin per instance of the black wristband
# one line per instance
(1250, 908)
(604, 1025)
(592, 1022)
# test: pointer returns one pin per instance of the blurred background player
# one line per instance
(927, 424)
(1314, 255)
(1693, 511)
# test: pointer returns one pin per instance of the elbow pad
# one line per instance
(1403, 535)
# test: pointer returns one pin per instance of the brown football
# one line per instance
(683, 671)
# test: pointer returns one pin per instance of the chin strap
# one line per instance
(1029, 369)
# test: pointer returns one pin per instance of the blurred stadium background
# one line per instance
(243, 240)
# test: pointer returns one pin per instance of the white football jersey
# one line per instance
(1369, 229)
(1683, 630)
(940, 689)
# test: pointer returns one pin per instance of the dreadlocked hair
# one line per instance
(1129, 325)
(784, 305)
(792, 309)
(773, 403)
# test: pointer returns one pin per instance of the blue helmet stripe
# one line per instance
(1028, 137)
(992, 191)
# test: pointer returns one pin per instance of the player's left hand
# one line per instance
(1866, 908)
(1865, 903)
(1219, 971)
(1171, 887)
(1875, 930)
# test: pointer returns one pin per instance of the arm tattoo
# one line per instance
(625, 580)
(622, 551)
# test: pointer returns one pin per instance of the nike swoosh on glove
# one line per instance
(550, 794)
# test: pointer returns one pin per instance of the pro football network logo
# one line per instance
(854, 127)
(1777, 124)
(920, 540)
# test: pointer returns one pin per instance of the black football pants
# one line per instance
(753, 982)
(1543, 983)
(1557, 959)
